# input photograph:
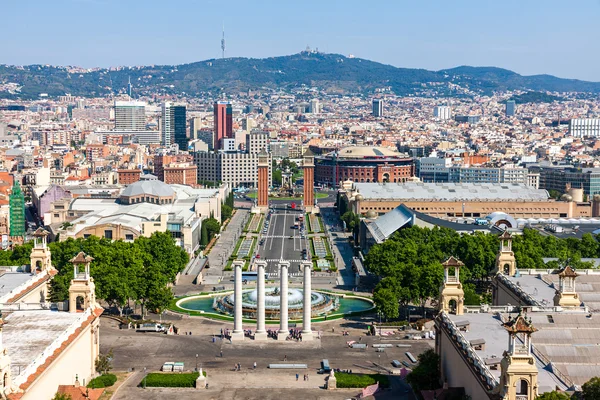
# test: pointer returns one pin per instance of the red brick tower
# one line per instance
(263, 180)
(308, 164)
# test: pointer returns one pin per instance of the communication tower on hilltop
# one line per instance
(223, 42)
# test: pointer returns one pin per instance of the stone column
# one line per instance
(261, 333)
(238, 331)
(283, 300)
(306, 307)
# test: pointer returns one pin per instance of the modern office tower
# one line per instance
(442, 112)
(173, 124)
(223, 122)
(179, 126)
(580, 127)
(166, 122)
(130, 116)
(511, 108)
(378, 107)
(17, 211)
(314, 107)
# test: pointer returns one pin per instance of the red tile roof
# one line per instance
(80, 393)
(34, 285)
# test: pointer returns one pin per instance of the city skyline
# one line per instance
(519, 37)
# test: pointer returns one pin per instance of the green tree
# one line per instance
(591, 389)
(386, 302)
(203, 236)
(352, 221)
(277, 177)
(555, 194)
(426, 375)
(554, 395)
(104, 362)
(226, 212)
(212, 227)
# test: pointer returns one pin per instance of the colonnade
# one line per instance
(261, 333)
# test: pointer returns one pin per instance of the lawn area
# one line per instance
(345, 380)
(156, 379)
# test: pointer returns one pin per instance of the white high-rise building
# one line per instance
(167, 129)
(442, 112)
(130, 116)
(314, 107)
(580, 127)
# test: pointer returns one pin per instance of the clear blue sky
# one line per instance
(557, 37)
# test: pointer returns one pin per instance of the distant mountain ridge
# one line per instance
(331, 72)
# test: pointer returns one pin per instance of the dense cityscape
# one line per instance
(216, 229)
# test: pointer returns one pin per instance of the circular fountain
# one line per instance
(321, 304)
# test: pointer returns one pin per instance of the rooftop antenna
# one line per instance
(223, 42)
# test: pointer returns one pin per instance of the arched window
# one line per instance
(522, 388)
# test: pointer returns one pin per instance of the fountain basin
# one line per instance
(323, 304)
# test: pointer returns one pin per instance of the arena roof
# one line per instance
(368, 151)
(450, 191)
(150, 187)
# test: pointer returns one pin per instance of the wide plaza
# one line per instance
(136, 351)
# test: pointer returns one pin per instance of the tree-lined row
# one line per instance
(409, 263)
(139, 271)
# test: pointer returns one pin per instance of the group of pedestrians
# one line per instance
(305, 377)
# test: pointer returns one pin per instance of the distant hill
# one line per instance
(332, 72)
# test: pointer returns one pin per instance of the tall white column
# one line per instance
(306, 307)
(238, 331)
(261, 333)
(283, 300)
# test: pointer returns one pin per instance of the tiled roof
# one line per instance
(34, 285)
(80, 392)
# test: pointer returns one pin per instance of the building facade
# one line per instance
(442, 112)
(511, 108)
(130, 116)
(17, 211)
(378, 107)
(236, 169)
(581, 127)
(363, 164)
(223, 121)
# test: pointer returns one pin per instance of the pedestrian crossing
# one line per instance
(290, 275)
(279, 237)
(272, 260)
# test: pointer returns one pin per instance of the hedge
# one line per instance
(156, 379)
(102, 381)
(357, 381)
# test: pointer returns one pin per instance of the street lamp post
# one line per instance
(196, 362)
(144, 385)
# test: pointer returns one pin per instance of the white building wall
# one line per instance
(76, 360)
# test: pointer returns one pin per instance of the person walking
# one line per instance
(297, 377)
(221, 353)
(254, 366)
(285, 357)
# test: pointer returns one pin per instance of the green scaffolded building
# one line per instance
(17, 211)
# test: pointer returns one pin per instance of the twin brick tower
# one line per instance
(308, 165)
